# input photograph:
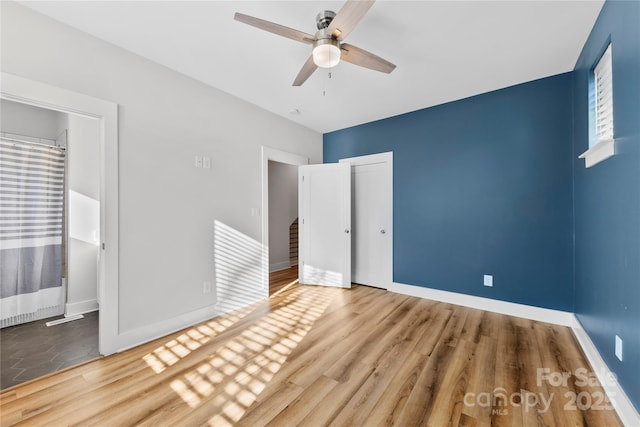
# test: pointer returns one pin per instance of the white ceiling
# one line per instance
(444, 50)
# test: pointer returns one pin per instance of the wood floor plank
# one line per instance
(471, 329)
(265, 411)
(394, 396)
(364, 400)
(583, 388)
(297, 410)
(367, 348)
(318, 356)
(329, 407)
(428, 342)
(450, 392)
(481, 381)
(454, 327)
(342, 345)
(553, 365)
(419, 405)
(507, 373)
(533, 392)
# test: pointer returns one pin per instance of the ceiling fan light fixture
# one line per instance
(326, 53)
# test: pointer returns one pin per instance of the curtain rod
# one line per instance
(16, 138)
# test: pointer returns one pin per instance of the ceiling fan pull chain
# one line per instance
(324, 90)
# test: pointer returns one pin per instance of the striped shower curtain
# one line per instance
(31, 218)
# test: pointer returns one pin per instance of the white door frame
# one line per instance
(386, 158)
(275, 155)
(38, 94)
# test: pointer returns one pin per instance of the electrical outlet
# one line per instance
(206, 287)
(488, 280)
(619, 348)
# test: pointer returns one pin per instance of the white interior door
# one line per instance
(372, 222)
(325, 225)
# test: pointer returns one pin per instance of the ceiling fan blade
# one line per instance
(307, 69)
(348, 17)
(274, 28)
(361, 57)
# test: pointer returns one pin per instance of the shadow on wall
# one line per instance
(239, 269)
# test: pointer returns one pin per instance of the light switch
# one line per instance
(198, 162)
(206, 162)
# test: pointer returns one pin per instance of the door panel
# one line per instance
(369, 260)
(325, 225)
(372, 222)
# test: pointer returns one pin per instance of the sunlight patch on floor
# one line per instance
(235, 374)
(176, 349)
(284, 288)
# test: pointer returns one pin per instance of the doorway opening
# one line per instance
(105, 114)
(279, 219)
(50, 221)
(283, 224)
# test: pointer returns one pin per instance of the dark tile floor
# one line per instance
(34, 349)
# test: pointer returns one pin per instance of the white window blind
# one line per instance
(604, 98)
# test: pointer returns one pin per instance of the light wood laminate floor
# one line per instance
(325, 356)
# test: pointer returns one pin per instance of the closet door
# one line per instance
(372, 222)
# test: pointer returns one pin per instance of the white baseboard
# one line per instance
(82, 307)
(623, 406)
(277, 266)
(557, 317)
(144, 334)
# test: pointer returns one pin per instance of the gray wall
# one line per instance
(31, 121)
(83, 157)
(168, 208)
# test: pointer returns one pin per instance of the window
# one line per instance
(601, 142)
(604, 98)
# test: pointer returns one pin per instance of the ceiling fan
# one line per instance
(328, 46)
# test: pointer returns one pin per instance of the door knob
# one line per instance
(346, 230)
(382, 231)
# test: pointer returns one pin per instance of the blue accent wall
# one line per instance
(481, 186)
(607, 199)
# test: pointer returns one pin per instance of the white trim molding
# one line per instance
(619, 399)
(277, 266)
(82, 307)
(599, 152)
(557, 317)
(164, 328)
